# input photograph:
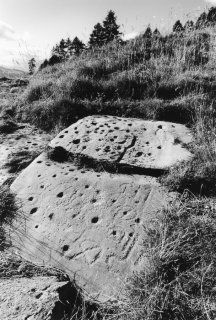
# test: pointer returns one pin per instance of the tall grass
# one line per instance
(121, 76)
(180, 282)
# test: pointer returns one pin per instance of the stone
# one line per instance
(125, 141)
(37, 298)
(89, 224)
(14, 90)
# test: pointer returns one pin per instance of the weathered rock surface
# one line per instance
(93, 224)
(134, 142)
(88, 224)
(38, 298)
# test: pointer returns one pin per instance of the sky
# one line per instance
(30, 28)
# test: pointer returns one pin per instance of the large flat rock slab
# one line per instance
(133, 142)
(89, 224)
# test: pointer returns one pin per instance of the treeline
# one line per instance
(108, 31)
(205, 20)
(101, 34)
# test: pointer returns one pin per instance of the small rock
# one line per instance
(37, 298)
(14, 90)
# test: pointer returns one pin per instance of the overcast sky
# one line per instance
(32, 27)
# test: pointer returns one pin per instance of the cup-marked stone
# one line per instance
(135, 142)
(89, 224)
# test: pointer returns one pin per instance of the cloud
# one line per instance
(7, 32)
(129, 36)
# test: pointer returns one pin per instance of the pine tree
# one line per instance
(44, 64)
(77, 46)
(32, 65)
(54, 59)
(68, 47)
(62, 51)
(211, 17)
(178, 27)
(147, 33)
(156, 33)
(97, 36)
(111, 29)
(189, 25)
(55, 50)
(147, 36)
(201, 21)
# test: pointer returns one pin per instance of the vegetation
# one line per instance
(103, 34)
(32, 65)
(180, 281)
(169, 78)
(8, 209)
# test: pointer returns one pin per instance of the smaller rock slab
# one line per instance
(133, 142)
(37, 298)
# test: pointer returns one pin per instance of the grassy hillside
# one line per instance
(170, 78)
(127, 80)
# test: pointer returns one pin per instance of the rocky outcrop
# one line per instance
(81, 214)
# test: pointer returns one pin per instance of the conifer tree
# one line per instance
(189, 25)
(201, 21)
(68, 47)
(111, 29)
(97, 36)
(54, 59)
(156, 33)
(147, 36)
(62, 47)
(55, 50)
(32, 65)
(178, 27)
(211, 17)
(77, 46)
(44, 64)
(148, 32)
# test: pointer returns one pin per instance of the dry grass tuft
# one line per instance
(8, 209)
(181, 282)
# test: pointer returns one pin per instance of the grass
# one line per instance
(8, 209)
(121, 80)
(180, 283)
(199, 174)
